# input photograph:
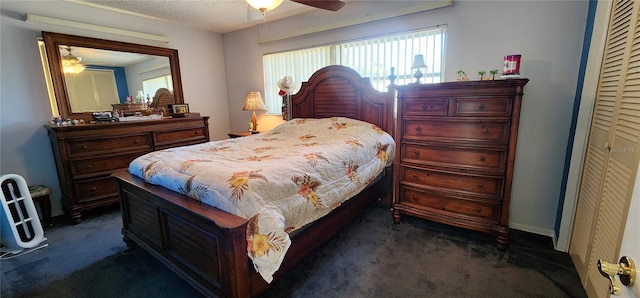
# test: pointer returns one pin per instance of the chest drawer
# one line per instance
(495, 107)
(453, 205)
(495, 132)
(427, 107)
(486, 186)
(105, 165)
(96, 189)
(190, 135)
(467, 159)
(83, 147)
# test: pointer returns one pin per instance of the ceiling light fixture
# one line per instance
(71, 63)
(264, 5)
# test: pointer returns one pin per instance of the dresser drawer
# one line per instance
(187, 136)
(465, 159)
(104, 165)
(486, 186)
(494, 107)
(84, 147)
(496, 132)
(454, 205)
(431, 107)
(95, 189)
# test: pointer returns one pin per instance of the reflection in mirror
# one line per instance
(110, 78)
(115, 73)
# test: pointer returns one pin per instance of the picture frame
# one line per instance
(180, 108)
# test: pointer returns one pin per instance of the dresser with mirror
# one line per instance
(112, 76)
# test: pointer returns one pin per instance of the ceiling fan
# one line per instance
(332, 5)
(265, 5)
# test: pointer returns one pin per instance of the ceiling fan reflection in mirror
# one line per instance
(265, 5)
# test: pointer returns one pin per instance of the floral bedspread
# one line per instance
(279, 180)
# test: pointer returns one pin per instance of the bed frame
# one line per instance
(207, 246)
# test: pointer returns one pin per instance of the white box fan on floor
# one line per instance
(20, 226)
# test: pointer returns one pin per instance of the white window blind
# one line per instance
(371, 58)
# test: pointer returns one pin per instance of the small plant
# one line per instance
(481, 74)
(462, 76)
(493, 73)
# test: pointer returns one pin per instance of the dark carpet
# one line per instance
(372, 257)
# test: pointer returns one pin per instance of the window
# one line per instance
(150, 86)
(371, 58)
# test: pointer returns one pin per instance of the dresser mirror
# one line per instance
(113, 72)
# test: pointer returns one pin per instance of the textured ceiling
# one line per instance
(221, 16)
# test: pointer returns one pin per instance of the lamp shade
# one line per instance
(418, 62)
(264, 5)
(254, 102)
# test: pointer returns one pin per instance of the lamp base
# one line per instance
(417, 75)
(254, 122)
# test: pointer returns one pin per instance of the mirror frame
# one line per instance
(53, 41)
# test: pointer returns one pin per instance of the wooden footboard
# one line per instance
(207, 246)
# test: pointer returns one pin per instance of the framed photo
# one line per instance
(180, 108)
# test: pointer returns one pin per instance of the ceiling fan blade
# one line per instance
(332, 5)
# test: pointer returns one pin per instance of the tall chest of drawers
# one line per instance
(86, 155)
(456, 145)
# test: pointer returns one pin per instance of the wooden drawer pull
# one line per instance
(136, 141)
(485, 130)
(482, 158)
(89, 167)
(480, 185)
(481, 107)
(196, 132)
(94, 188)
(418, 128)
(478, 210)
(414, 176)
(84, 147)
(417, 153)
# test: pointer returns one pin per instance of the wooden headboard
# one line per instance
(163, 99)
(340, 91)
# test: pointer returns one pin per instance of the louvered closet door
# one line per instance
(613, 152)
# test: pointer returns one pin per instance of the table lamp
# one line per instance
(252, 103)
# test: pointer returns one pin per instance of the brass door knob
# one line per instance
(625, 270)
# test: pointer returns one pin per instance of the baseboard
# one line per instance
(549, 233)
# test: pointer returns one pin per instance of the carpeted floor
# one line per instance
(372, 257)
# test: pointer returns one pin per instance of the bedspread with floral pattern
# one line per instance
(279, 180)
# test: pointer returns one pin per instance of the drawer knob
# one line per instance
(478, 210)
(196, 132)
(482, 158)
(84, 147)
(424, 107)
(418, 128)
(485, 130)
(416, 152)
(481, 107)
(136, 141)
(414, 176)
(480, 185)
(94, 188)
(89, 167)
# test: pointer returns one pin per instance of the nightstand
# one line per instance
(241, 134)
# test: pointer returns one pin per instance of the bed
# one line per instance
(207, 246)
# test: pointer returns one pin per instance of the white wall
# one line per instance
(24, 109)
(548, 34)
